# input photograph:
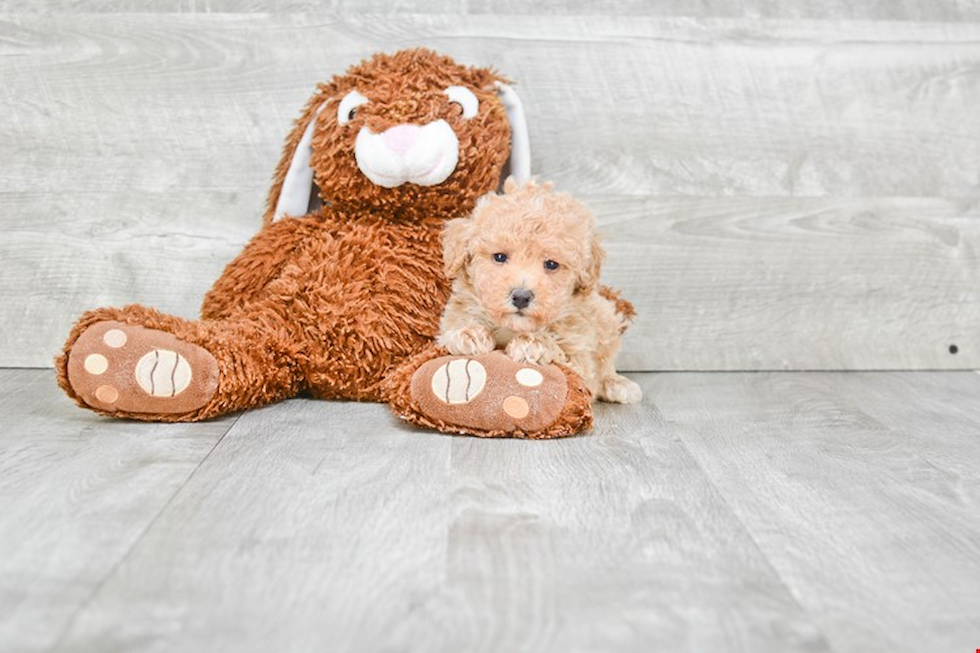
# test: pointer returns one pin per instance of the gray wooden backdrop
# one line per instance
(782, 185)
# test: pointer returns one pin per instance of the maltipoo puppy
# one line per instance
(525, 271)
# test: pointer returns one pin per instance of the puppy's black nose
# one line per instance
(521, 297)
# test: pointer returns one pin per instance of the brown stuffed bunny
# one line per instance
(340, 292)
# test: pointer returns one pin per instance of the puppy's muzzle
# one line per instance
(521, 298)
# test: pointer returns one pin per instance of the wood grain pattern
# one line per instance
(728, 512)
(319, 522)
(734, 283)
(600, 543)
(638, 106)
(828, 167)
(75, 497)
(108, 249)
(345, 527)
(861, 489)
(912, 10)
(796, 283)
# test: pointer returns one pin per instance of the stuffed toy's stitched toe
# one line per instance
(120, 368)
(492, 396)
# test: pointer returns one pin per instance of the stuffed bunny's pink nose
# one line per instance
(400, 138)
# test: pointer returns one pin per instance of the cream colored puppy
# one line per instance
(525, 272)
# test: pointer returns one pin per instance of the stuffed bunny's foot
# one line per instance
(491, 395)
(120, 368)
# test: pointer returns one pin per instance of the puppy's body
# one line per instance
(525, 269)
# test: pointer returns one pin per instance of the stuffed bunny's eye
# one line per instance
(465, 99)
(348, 107)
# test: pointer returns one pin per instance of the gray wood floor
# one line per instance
(728, 512)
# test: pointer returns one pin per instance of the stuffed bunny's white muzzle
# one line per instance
(425, 155)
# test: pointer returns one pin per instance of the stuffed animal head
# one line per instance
(523, 256)
(411, 134)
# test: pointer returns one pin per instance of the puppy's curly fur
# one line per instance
(525, 271)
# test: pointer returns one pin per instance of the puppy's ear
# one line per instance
(588, 276)
(456, 236)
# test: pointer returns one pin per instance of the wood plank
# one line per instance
(940, 408)
(796, 284)
(109, 250)
(315, 523)
(639, 105)
(749, 512)
(321, 523)
(910, 10)
(611, 542)
(875, 535)
(155, 135)
(719, 284)
(76, 494)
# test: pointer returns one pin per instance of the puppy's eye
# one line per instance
(348, 107)
(465, 99)
(500, 257)
(551, 265)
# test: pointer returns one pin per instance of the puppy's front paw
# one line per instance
(531, 349)
(618, 389)
(468, 341)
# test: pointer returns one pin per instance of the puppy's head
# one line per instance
(525, 254)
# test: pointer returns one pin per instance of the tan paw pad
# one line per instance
(516, 407)
(115, 338)
(106, 394)
(529, 378)
(96, 364)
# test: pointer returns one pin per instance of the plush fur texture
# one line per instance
(334, 301)
(525, 269)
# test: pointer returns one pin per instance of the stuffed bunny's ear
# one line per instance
(297, 187)
(519, 164)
